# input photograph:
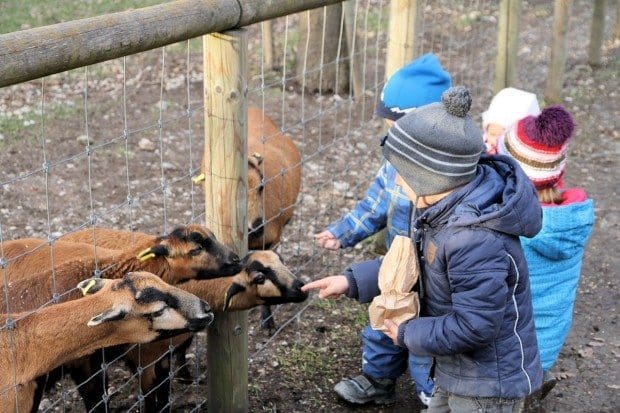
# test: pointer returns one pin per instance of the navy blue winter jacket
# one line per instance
(476, 316)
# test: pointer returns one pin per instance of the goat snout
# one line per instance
(201, 320)
(301, 295)
(231, 264)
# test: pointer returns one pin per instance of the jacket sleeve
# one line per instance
(363, 280)
(369, 215)
(477, 267)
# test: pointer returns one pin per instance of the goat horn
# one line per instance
(145, 255)
(198, 178)
(226, 301)
(88, 286)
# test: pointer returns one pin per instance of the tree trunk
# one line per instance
(318, 50)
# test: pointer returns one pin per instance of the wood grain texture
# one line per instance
(225, 92)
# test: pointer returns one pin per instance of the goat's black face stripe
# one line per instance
(270, 274)
(178, 233)
(151, 295)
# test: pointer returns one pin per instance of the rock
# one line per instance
(168, 166)
(146, 145)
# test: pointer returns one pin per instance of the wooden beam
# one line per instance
(355, 66)
(267, 34)
(404, 20)
(226, 163)
(597, 32)
(30, 54)
(555, 78)
(507, 44)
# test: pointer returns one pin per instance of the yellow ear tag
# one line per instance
(146, 255)
(198, 178)
(88, 286)
(225, 301)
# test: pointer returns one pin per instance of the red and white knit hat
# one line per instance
(539, 144)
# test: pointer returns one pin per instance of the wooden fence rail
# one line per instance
(34, 53)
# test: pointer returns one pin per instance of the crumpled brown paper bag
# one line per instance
(398, 273)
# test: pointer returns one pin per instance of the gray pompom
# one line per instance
(457, 101)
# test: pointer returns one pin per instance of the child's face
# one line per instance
(491, 136)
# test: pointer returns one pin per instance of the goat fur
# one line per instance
(38, 341)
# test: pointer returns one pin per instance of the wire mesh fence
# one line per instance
(117, 144)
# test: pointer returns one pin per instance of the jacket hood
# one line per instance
(500, 197)
(566, 230)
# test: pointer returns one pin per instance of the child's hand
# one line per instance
(392, 330)
(329, 287)
(327, 240)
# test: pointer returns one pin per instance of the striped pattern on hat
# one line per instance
(543, 164)
(432, 159)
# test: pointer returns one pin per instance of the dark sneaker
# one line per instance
(363, 389)
(549, 382)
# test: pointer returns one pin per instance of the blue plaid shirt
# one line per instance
(385, 204)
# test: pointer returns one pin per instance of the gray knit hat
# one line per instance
(436, 147)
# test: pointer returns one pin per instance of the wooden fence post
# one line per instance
(617, 26)
(507, 44)
(225, 92)
(555, 78)
(404, 21)
(355, 67)
(597, 31)
(267, 33)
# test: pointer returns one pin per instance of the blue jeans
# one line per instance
(444, 402)
(382, 359)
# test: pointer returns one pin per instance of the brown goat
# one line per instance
(263, 280)
(134, 309)
(186, 253)
(274, 178)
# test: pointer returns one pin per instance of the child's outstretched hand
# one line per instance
(329, 287)
(327, 240)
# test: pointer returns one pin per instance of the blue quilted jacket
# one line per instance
(554, 258)
(476, 312)
(385, 205)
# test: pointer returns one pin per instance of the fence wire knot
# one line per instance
(10, 323)
(3, 262)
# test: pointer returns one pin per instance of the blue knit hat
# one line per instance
(417, 84)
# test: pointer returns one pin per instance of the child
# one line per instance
(507, 106)
(417, 84)
(476, 314)
(554, 256)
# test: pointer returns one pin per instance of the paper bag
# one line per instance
(398, 274)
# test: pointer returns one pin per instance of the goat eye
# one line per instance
(196, 250)
(259, 278)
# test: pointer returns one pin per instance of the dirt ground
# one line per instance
(72, 168)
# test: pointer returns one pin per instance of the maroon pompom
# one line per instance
(552, 128)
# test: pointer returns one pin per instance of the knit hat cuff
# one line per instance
(394, 113)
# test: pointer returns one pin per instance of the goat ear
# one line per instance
(256, 159)
(113, 314)
(155, 251)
